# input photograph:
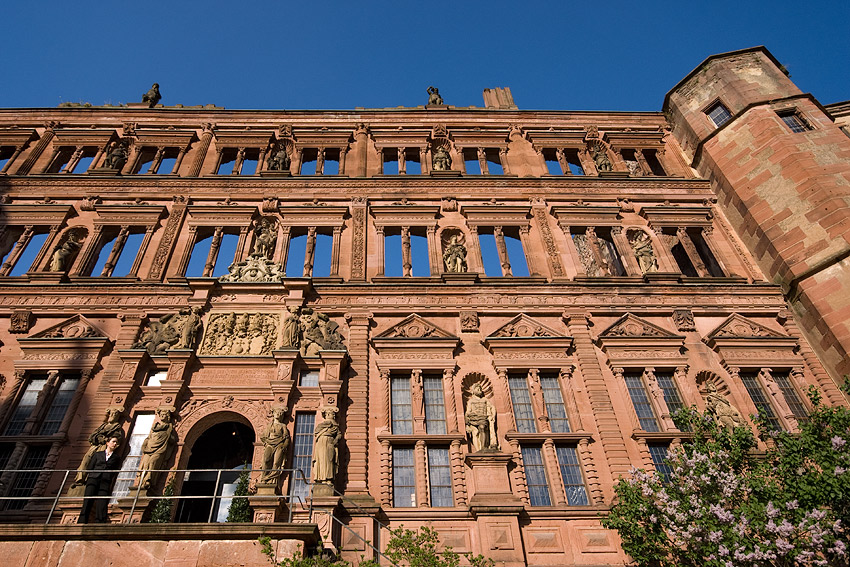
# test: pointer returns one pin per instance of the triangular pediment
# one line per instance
(634, 327)
(521, 327)
(415, 327)
(739, 327)
(77, 327)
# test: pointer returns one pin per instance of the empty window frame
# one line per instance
(310, 253)
(597, 251)
(535, 476)
(161, 161)
(521, 402)
(22, 247)
(574, 485)
(470, 160)
(640, 400)
(118, 253)
(404, 478)
(67, 159)
(401, 410)
(406, 252)
(502, 252)
(554, 402)
(6, 154)
(794, 120)
(309, 161)
(435, 407)
(302, 458)
(760, 400)
(213, 252)
(711, 264)
(718, 114)
(553, 165)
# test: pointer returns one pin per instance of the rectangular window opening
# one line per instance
(435, 408)
(139, 431)
(421, 265)
(571, 474)
(25, 406)
(411, 162)
(85, 161)
(535, 476)
(390, 161)
(400, 405)
(651, 157)
(128, 254)
(554, 401)
(228, 161)
(640, 401)
(296, 256)
(573, 161)
(24, 263)
(331, 165)
(705, 254)
(494, 162)
(521, 401)
(440, 477)
(760, 400)
(392, 256)
(226, 254)
(59, 406)
(490, 255)
(516, 256)
(404, 478)
(658, 453)
(322, 255)
(553, 166)
(302, 458)
(719, 114)
(470, 159)
(197, 261)
(308, 379)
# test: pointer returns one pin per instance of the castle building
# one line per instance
(477, 319)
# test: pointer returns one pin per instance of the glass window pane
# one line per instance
(309, 379)
(435, 408)
(404, 482)
(141, 429)
(521, 400)
(24, 482)
(554, 400)
(571, 473)
(59, 406)
(659, 460)
(535, 476)
(640, 401)
(400, 406)
(440, 477)
(795, 404)
(760, 400)
(302, 457)
(25, 406)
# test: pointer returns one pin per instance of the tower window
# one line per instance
(719, 114)
(794, 121)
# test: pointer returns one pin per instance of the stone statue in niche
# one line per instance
(152, 97)
(116, 156)
(240, 334)
(434, 96)
(480, 419)
(279, 158)
(174, 330)
(275, 441)
(318, 333)
(291, 332)
(326, 452)
(265, 237)
(600, 157)
(157, 447)
(65, 253)
(112, 426)
(644, 253)
(722, 409)
(454, 256)
(441, 160)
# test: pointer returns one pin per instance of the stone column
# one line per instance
(423, 161)
(691, 251)
(17, 250)
(213, 254)
(320, 161)
(11, 160)
(157, 160)
(357, 414)
(530, 256)
(381, 245)
(115, 253)
(201, 151)
(422, 495)
(658, 396)
(361, 142)
(406, 262)
(402, 161)
(502, 249)
(476, 262)
(335, 244)
(285, 233)
(627, 254)
(562, 161)
(435, 261)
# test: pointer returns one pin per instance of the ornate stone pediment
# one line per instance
(77, 327)
(632, 326)
(415, 343)
(523, 326)
(742, 342)
(634, 341)
(415, 327)
(738, 326)
(525, 342)
(75, 343)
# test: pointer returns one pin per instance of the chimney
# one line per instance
(500, 97)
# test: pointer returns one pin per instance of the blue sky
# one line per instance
(341, 55)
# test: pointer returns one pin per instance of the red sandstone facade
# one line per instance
(593, 304)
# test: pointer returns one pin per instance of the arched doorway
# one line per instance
(228, 445)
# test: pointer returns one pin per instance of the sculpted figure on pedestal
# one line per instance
(454, 256)
(325, 452)
(275, 441)
(480, 419)
(116, 157)
(111, 427)
(434, 96)
(279, 159)
(441, 160)
(291, 329)
(642, 247)
(152, 97)
(722, 409)
(600, 157)
(265, 237)
(65, 253)
(157, 447)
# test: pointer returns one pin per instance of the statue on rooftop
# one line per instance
(434, 96)
(152, 97)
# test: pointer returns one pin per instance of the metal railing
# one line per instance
(295, 475)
